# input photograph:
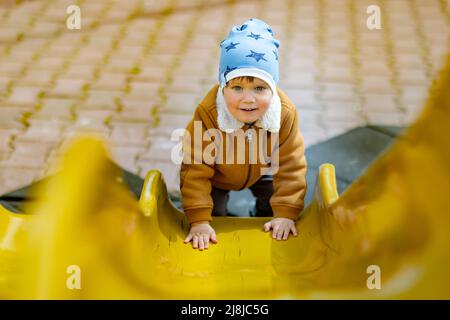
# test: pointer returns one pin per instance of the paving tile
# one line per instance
(5, 154)
(413, 113)
(11, 68)
(11, 114)
(32, 44)
(143, 90)
(168, 123)
(156, 59)
(414, 95)
(131, 134)
(67, 87)
(27, 155)
(160, 149)
(137, 116)
(384, 118)
(49, 62)
(93, 116)
(409, 60)
(110, 81)
(35, 78)
(313, 137)
(43, 29)
(60, 48)
(15, 178)
(125, 155)
(333, 92)
(341, 112)
(181, 103)
(338, 46)
(377, 53)
(80, 72)
(185, 84)
(412, 77)
(4, 80)
(43, 131)
(192, 66)
(302, 80)
(101, 99)
(55, 109)
(9, 34)
(24, 96)
(128, 52)
(84, 127)
(210, 54)
(377, 84)
(89, 57)
(309, 117)
(379, 102)
(332, 60)
(303, 98)
(5, 141)
(118, 65)
(170, 172)
(338, 74)
(153, 73)
(371, 67)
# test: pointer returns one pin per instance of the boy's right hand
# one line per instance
(200, 234)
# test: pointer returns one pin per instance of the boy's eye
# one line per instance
(260, 88)
(236, 88)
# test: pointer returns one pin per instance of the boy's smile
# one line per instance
(247, 100)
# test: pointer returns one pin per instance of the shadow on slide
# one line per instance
(387, 236)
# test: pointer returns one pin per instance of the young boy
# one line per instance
(246, 103)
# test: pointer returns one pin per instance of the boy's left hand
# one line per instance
(281, 228)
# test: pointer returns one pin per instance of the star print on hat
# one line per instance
(250, 49)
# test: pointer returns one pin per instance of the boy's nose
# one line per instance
(248, 96)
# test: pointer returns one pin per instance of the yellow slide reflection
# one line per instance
(387, 236)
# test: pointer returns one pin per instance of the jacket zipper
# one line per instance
(247, 147)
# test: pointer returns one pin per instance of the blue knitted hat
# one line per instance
(250, 50)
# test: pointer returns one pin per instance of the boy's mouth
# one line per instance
(248, 109)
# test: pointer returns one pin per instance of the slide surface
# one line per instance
(387, 236)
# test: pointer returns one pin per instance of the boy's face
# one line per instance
(247, 101)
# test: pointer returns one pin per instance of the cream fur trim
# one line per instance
(270, 121)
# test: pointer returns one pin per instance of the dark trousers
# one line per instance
(262, 190)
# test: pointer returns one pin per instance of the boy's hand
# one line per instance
(200, 234)
(281, 228)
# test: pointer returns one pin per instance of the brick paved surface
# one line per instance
(136, 69)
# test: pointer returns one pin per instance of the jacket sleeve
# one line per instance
(289, 181)
(195, 174)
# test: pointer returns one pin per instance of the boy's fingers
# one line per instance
(280, 233)
(201, 244)
(267, 226)
(214, 238)
(294, 230)
(195, 242)
(275, 231)
(206, 240)
(286, 233)
(188, 238)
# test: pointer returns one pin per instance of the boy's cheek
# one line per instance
(232, 103)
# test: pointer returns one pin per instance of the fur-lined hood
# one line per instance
(280, 154)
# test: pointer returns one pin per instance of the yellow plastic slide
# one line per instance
(387, 236)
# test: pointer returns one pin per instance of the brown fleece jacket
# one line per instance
(283, 152)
